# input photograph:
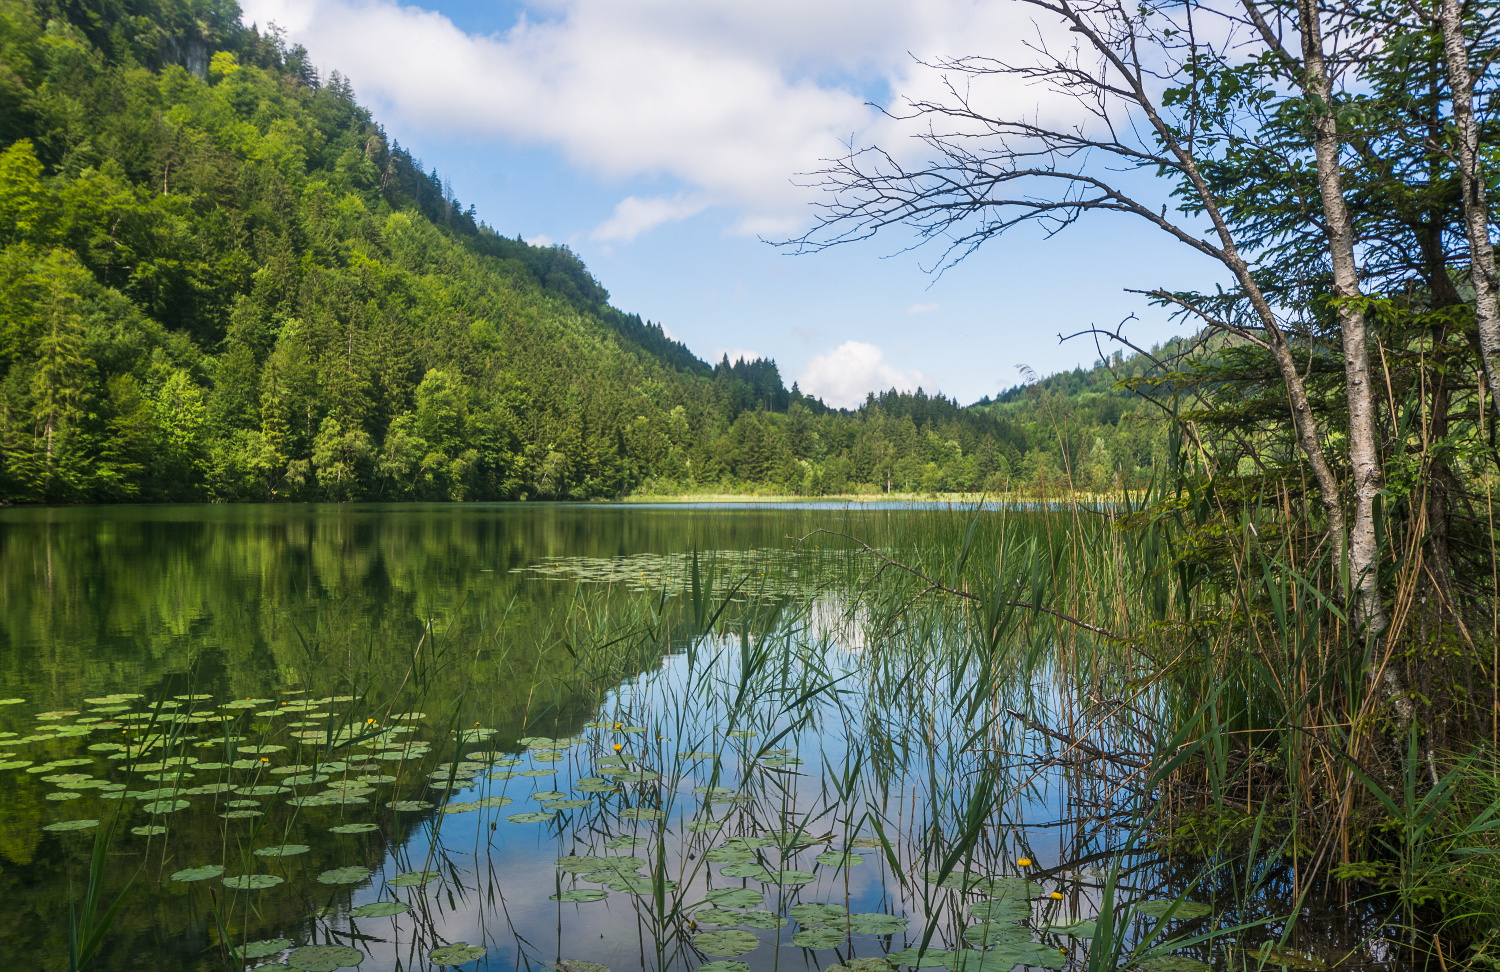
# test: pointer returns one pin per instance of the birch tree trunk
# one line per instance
(1364, 453)
(1471, 183)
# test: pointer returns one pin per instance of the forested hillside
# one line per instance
(221, 280)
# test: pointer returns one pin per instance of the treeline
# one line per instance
(220, 280)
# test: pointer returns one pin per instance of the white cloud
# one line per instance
(634, 216)
(541, 239)
(730, 100)
(921, 308)
(843, 376)
(733, 354)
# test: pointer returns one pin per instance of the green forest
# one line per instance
(222, 281)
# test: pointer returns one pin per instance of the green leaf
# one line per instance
(1083, 928)
(252, 882)
(529, 817)
(581, 895)
(839, 859)
(730, 943)
(285, 850)
(380, 909)
(762, 919)
(1181, 963)
(816, 913)
(413, 879)
(874, 923)
(735, 897)
(66, 825)
(822, 937)
(931, 959)
(1183, 910)
(344, 875)
(353, 828)
(199, 873)
(325, 958)
(991, 933)
(459, 953)
(255, 950)
(1000, 909)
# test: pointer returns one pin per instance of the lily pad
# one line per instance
(580, 895)
(873, 923)
(786, 878)
(1020, 953)
(718, 917)
(1179, 909)
(566, 804)
(724, 966)
(380, 909)
(458, 953)
(344, 875)
(822, 937)
(353, 828)
(817, 913)
(64, 795)
(931, 959)
(66, 825)
(991, 933)
(1083, 928)
(729, 943)
(1009, 887)
(1000, 909)
(642, 813)
(461, 807)
(414, 879)
(529, 817)
(166, 806)
(269, 946)
(762, 919)
(839, 859)
(410, 806)
(747, 868)
(325, 958)
(149, 830)
(735, 897)
(728, 855)
(252, 882)
(285, 850)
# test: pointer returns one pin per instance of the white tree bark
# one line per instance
(1471, 182)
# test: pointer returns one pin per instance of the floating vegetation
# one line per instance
(380, 909)
(456, 954)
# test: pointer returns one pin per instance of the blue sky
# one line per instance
(660, 139)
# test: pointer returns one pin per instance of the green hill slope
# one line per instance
(220, 280)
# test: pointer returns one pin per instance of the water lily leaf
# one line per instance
(762, 919)
(240, 814)
(566, 804)
(704, 826)
(777, 762)
(749, 843)
(633, 776)
(11, 701)
(1083, 928)
(788, 877)
(642, 813)
(632, 883)
(63, 795)
(530, 817)
(958, 880)
(1181, 963)
(723, 966)
(414, 879)
(617, 843)
(325, 958)
(931, 959)
(1179, 909)
(991, 933)
(839, 859)
(744, 869)
(729, 943)
(66, 825)
(728, 855)
(410, 805)
(574, 864)
(1020, 953)
(822, 937)
(353, 828)
(741, 734)
(150, 830)
(252, 882)
(735, 897)
(543, 795)
(630, 729)
(166, 806)
(537, 772)
(1009, 887)
(1269, 953)
(456, 954)
(580, 895)
(817, 913)
(593, 785)
(344, 875)
(255, 950)
(285, 850)
(1000, 909)
(460, 807)
(721, 917)
(380, 909)
(873, 923)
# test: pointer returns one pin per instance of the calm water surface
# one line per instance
(548, 732)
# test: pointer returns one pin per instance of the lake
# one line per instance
(506, 736)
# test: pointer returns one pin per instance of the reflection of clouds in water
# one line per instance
(839, 619)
